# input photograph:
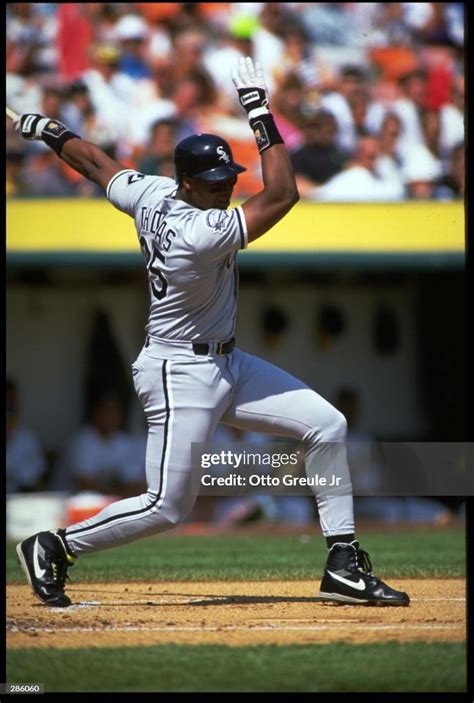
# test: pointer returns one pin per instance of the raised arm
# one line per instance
(84, 157)
(280, 192)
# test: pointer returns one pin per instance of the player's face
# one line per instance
(211, 194)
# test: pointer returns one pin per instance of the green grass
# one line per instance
(383, 667)
(404, 554)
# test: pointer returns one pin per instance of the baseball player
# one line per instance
(190, 374)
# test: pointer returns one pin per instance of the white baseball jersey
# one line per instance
(190, 256)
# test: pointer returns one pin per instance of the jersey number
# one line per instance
(159, 291)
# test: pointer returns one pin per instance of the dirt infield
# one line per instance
(232, 613)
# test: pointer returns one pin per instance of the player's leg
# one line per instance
(268, 399)
(182, 402)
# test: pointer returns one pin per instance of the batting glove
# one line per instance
(51, 132)
(250, 84)
(31, 125)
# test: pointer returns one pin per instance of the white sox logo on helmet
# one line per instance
(223, 155)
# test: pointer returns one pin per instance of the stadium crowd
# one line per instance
(369, 97)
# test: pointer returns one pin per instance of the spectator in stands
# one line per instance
(78, 105)
(158, 153)
(451, 185)
(109, 89)
(267, 38)
(419, 167)
(410, 106)
(26, 465)
(131, 31)
(103, 457)
(218, 59)
(452, 118)
(115, 96)
(319, 159)
(359, 180)
(359, 103)
(431, 129)
(84, 119)
(299, 58)
(159, 45)
(345, 102)
(420, 172)
(194, 99)
(286, 106)
(189, 46)
(52, 103)
(389, 161)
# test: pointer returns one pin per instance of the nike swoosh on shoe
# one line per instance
(39, 572)
(358, 585)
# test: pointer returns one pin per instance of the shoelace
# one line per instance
(363, 561)
(60, 574)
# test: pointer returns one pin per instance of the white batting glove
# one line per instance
(250, 84)
(31, 125)
(38, 127)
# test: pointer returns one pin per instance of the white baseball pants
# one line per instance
(184, 396)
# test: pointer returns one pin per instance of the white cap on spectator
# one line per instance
(131, 27)
(420, 165)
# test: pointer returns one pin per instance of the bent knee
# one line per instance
(339, 425)
(174, 511)
(332, 427)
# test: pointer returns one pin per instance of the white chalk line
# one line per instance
(188, 601)
(461, 599)
(234, 628)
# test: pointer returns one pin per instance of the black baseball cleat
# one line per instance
(45, 559)
(348, 578)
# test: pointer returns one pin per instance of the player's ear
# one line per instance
(187, 183)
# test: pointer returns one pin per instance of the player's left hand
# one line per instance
(250, 83)
(31, 125)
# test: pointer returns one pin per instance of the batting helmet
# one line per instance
(205, 156)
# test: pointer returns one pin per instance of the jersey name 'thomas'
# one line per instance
(190, 257)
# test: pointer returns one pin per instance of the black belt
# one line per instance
(222, 347)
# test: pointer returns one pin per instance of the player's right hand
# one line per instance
(31, 125)
(250, 84)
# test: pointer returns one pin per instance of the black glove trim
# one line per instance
(28, 124)
(252, 98)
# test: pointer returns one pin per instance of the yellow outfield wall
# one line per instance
(94, 225)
